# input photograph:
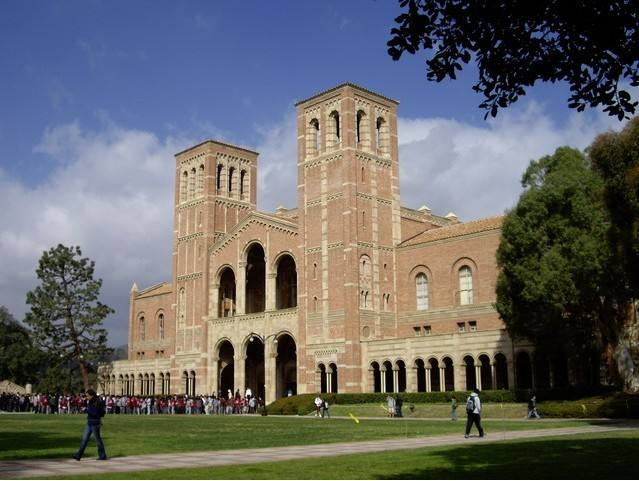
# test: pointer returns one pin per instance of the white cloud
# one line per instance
(475, 171)
(111, 191)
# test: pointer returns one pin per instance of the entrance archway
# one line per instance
(286, 366)
(485, 372)
(254, 366)
(225, 368)
(471, 379)
(255, 279)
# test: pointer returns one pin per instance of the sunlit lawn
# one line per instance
(36, 436)
(589, 456)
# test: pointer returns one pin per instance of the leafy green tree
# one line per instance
(553, 260)
(66, 316)
(591, 44)
(616, 157)
(20, 361)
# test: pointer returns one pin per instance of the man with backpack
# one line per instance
(473, 412)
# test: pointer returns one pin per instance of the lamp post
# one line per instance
(262, 338)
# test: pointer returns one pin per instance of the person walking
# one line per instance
(532, 408)
(95, 413)
(453, 409)
(473, 412)
(318, 405)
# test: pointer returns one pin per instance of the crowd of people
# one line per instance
(48, 403)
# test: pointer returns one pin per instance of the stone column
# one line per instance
(382, 378)
(270, 372)
(271, 278)
(478, 377)
(239, 367)
(214, 368)
(411, 379)
(329, 380)
(240, 288)
(429, 380)
(395, 380)
(493, 374)
(214, 301)
(442, 379)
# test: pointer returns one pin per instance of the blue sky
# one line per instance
(96, 96)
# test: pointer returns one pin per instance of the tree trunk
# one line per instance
(627, 352)
(85, 374)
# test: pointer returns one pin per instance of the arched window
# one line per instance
(142, 328)
(386, 302)
(200, 180)
(364, 219)
(218, 179)
(314, 303)
(192, 175)
(333, 129)
(362, 130)
(313, 137)
(181, 308)
(314, 270)
(231, 180)
(465, 286)
(184, 179)
(421, 287)
(161, 326)
(382, 137)
(243, 184)
(363, 176)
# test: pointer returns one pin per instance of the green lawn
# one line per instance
(36, 436)
(591, 456)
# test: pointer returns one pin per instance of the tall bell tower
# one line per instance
(349, 224)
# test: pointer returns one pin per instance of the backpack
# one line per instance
(470, 405)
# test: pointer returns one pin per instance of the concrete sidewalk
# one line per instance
(46, 468)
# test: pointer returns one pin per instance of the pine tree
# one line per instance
(66, 316)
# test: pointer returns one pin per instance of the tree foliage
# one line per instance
(591, 44)
(20, 360)
(553, 258)
(616, 157)
(66, 315)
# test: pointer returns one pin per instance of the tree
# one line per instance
(20, 361)
(616, 157)
(553, 259)
(591, 44)
(66, 316)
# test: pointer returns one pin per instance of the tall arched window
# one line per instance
(333, 133)
(181, 308)
(313, 137)
(200, 180)
(362, 130)
(243, 185)
(218, 179)
(382, 136)
(421, 287)
(184, 179)
(161, 326)
(192, 175)
(142, 329)
(231, 180)
(465, 286)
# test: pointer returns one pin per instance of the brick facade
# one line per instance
(322, 297)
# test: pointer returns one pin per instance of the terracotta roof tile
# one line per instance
(455, 230)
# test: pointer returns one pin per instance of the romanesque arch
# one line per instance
(449, 374)
(485, 372)
(225, 366)
(375, 377)
(286, 366)
(227, 293)
(254, 365)
(471, 378)
(420, 371)
(286, 282)
(255, 278)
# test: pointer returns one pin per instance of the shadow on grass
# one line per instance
(541, 459)
(41, 442)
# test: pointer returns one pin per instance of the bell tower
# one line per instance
(349, 224)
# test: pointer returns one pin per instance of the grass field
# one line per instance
(593, 456)
(27, 436)
(432, 410)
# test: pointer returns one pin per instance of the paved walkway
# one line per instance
(45, 468)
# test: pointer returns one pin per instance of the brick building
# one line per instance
(347, 292)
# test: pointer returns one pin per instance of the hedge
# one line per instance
(556, 403)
